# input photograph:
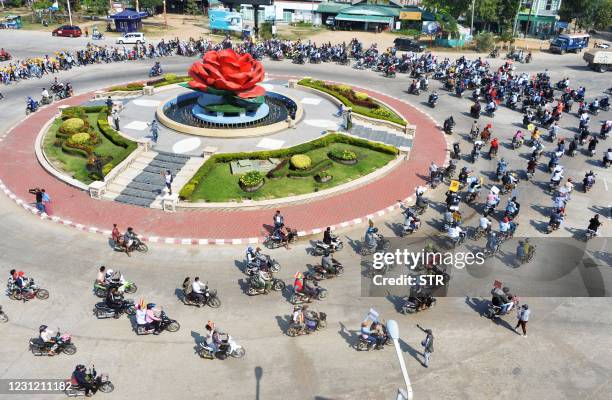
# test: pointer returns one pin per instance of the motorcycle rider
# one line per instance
(494, 147)
(114, 300)
(594, 225)
(101, 278)
(455, 233)
(448, 125)
(512, 208)
(45, 96)
(198, 289)
(589, 179)
(607, 158)
(518, 138)
(31, 104)
(503, 299)
(211, 338)
(48, 337)
(79, 379)
(433, 98)
(129, 237)
(491, 107)
(557, 175)
(492, 242)
(263, 280)
(152, 319)
(328, 262)
(485, 224)
(475, 109)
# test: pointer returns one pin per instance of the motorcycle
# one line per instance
(301, 297)
(30, 291)
(126, 287)
(273, 242)
(63, 342)
(313, 321)
(100, 383)
(166, 324)
(270, 265)
(255, 288)
(494, 311)
(210, 299)
(516, 143)
(320, 273)
(155, 72)
(320, 248)
(3, 316)
(103, 311)
(382, 244)
(227, 348)
(32, 107)
(368, 344)
(432, 102)
(137, 245)
(414, 304)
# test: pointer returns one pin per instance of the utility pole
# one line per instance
(529, 18)
(472, 24)
(165, 16)
(69, 12)
(137, 6)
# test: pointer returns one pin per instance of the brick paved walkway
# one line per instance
(20, 171)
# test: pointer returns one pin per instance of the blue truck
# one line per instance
(564, 43)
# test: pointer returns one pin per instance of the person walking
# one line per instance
(168, 178)
(278, 220)
(428, 345)
(523, 318)
(39, 199)
(115, 116)
(154, 130)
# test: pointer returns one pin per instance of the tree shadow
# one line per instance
(545, 211)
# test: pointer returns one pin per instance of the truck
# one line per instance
(564, 43)
(599, 60)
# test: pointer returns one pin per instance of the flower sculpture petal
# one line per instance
(226, 70)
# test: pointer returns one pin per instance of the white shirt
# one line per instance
(168, 178)
(141, 317)
(197, 286)
(453, 232)
(47, 335)
(484, 222)
(45, 93)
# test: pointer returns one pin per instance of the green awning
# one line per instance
(364, 18)
(537, 18)
(331, 8)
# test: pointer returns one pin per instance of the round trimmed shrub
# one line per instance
(382, 112)
(300, 161)
(251, 179)
(343, 154)
(361, 96)
(72, 126)
(79, 138)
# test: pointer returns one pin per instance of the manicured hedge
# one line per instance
(359, 105)
(312, 171)
(74, 151)
(324, 141)
(115, 138)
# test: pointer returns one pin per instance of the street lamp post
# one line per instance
(529, 18)
(472, 22)
(393, 330)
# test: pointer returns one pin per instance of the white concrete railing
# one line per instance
(98, 188)
(400, 129)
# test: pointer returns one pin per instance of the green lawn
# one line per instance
(220, 185)
(73, 165)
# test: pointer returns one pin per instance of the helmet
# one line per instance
(42, 328)
(109, 272)
(150, 306)
(326, 253)
(249, 249)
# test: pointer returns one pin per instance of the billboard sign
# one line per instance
(225, 20)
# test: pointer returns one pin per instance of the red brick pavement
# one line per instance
(20, 171)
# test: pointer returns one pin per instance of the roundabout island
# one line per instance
(229, 136)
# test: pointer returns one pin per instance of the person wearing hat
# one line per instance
(428, 346)
(212, 339)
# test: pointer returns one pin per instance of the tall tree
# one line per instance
(452, 7)
(191, 7)
(487, 11)
(507, 13)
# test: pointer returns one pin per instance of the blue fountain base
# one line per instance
(247, 117)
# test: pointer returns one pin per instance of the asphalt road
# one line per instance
(566, 356)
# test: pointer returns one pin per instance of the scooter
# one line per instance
(320, 273)
(227, 348)
(100, 382)
(63, 342)
(414, 304)
(103, 311)
(320, 248)
(300, 297)
(313, 321)
(166, 324)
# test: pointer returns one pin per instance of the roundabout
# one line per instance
(243, 221)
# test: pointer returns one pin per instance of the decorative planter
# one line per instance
(345, 162)
(251, 189)
(324, 179)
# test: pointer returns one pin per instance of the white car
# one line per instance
(132, 38)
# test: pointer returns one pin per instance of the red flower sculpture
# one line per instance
(226, 70)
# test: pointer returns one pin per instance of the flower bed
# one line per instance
(359, 102)
(82, 144)
(214, 182)
(343, 156)
(168, 79)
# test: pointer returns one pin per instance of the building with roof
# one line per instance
(128, 21)
(538, 17)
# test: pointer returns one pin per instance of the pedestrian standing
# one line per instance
(168, 178)
(523, 318)
(109, 104)
(115, 116)
(46, 201)
(348, 123)
(154, 130)
(278, 220)
(428, 346)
